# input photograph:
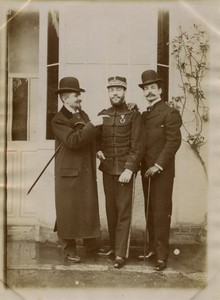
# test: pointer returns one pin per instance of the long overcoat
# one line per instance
(75, 176)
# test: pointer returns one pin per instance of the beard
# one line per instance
(77, 107)
(117, 101)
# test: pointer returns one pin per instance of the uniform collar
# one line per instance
(121, 107)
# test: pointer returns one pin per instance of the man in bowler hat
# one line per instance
(163, 138)
(77, 214)
(121, 149)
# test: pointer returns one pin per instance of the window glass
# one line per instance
(163, 51)
(20, 109)
(52, 70)
(23, 42)
(52, 99)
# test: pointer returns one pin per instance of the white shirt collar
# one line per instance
(154, 102)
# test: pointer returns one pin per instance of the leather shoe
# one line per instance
(149, 256)
(105, 253)
(160, 266)
(73, 258)
(119, 262)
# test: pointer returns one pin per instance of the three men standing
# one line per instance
(121, 149)
(125, 140)
(163, 138)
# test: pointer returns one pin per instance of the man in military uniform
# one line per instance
(163, 138)
(121, 148)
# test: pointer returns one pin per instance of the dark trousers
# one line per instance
(119, 210)
(159, 213)
(69, 245)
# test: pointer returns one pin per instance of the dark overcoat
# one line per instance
(163, 137)
(75, 176)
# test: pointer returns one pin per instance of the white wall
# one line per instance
(102, 40)
(108, 40)
(191, 185)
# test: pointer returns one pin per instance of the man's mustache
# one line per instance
(150, 94)
(79, 107)
(116, 97)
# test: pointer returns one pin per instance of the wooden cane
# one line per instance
(132, 204)
(146, 217)
(41, 173)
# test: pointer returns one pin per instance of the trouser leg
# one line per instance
(149, 215)
(111, 209)
(68, 246)
(162, 210)
(124, 207)
(118, 210)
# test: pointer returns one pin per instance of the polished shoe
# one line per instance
(149, 256)
(105, 253)
(160, 266)
(119, 262)
(73, 258)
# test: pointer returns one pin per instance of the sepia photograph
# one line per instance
(109, 149)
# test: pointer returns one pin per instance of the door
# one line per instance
(21, 147)
(22, 114)
(32, 80)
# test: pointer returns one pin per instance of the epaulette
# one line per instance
(103, 112)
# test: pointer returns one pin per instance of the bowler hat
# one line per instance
(117, 81)
(68, 85)
(148, 77)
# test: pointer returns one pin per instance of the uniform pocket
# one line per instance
(69, 172)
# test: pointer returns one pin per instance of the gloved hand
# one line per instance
(151, 171)
(98, 120)
(100, 155)
(125, 176)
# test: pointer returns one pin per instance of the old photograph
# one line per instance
(109, 149)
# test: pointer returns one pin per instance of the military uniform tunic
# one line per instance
(122, 142)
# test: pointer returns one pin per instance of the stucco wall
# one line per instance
(191, 185)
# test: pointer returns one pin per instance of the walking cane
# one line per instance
(146, 217)
(132, 204)
(41, 173)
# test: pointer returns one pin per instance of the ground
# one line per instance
(41, 265)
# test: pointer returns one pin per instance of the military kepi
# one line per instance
(148, 77)
(69, 85)
(117, 81)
